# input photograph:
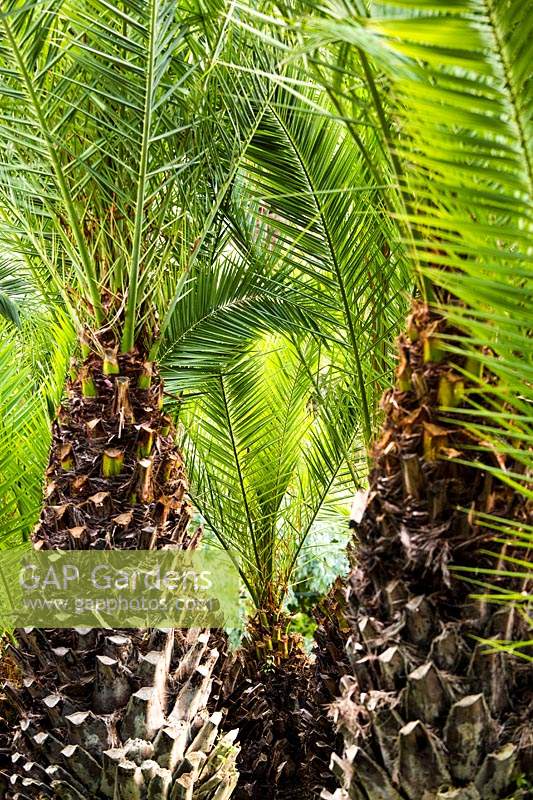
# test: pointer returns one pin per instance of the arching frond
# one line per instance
(263, 459)
(313, 193)
(32, 374)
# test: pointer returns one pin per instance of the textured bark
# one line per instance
(143, 503)
(279, 699)
(318, 734)
(425, 712)
(91, 713)
(265, 687)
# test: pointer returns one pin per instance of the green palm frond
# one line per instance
(313, 194)
(513, 537)
(224, 305)
(8, 309)
(263, 459)
(15, 290)
(32, 374)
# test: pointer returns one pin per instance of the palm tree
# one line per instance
(270, 440)
(122, 133)
(266, 463)
(428, 710)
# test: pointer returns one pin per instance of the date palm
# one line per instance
(273, 441)
(429, 709)
(265, 464)
(121, 137)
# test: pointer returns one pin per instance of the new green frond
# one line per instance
(264, 457)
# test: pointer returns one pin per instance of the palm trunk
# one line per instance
(114, 714)
(330, 665)
(426, 713)
(265, 688)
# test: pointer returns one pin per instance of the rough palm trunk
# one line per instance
(425, 711)
(279, 700)
(264, 689)
(329, 666)
(114, 714)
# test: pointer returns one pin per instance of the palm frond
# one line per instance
(225, 304)
(263, 460)
(8, 309)
(316, 200)
(32, 373)
(18, 294)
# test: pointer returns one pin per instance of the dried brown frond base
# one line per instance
(115, 479)
(330, 664)
(264, 688)
(106, 711)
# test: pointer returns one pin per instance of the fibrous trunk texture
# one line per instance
(117, 715)
(116, 479)
(265, 687)
(94, 713)
(329, 666)
(425, 711)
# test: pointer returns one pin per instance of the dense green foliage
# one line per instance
(252, 195)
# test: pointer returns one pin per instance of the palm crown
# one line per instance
(118, 153)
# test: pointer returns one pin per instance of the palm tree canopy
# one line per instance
(120, 134)
(157, 183)
(194, 178)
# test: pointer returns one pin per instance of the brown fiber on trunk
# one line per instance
(123, 427)
(265, 688)
(93, 713)
(425, 712)
(329, 666)
(279, 700)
